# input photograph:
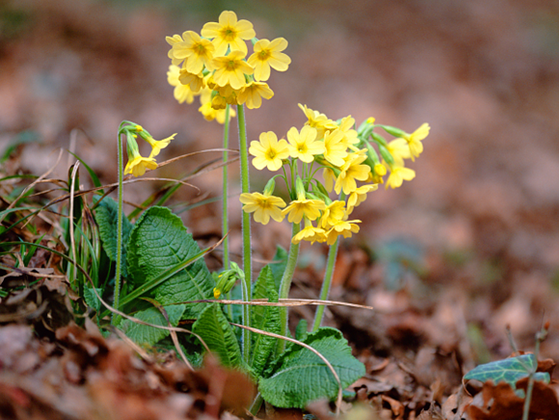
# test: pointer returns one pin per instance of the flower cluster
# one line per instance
(137, 164)
(214, 65)
(351, 167)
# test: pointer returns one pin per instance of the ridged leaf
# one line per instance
(212, 326)
(106, 216)
(143, 334)
(300, 376)
(159, 241)
(265, 318)
(278, 265)
(91, 298)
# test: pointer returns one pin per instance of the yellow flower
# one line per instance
(231, 69)
(182, 93)
(172, 40)
(253, 93)
(335, 152)
(352, 170)
(350, 135)
(310, 234)
(398, 174)
(263, 207)
(208, 112)
(303, 207)
(193, 80)
(304, 145)
(269, 54)
(157, 145)
(332, 213)
(138, 165)
(197, 52)
(414, 140)
(359, 195)
(228, 33)
(319, 121)
(268, 152)
(400, 150)
(379, 170)
(329, 178)
(342, 227)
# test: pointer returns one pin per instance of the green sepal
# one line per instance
(396, 132)
(378, 139)
(386, 154)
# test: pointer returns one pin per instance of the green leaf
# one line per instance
(509, 370)
(143, 334)
(106, 216)
(212, 326)
(91, 172)
(265, 318)
(278, 265)
(91, 299)
(300, 376)
(301, 332)
(158, 242)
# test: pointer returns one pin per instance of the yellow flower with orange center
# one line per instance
(231, 70)
(228, 32)
(263, 207)
(268, 152)
(303, 145)
(269, 54)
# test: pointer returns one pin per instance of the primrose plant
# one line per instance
(329, 167)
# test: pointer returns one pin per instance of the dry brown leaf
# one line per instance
(500, 402)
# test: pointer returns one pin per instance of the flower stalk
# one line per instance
(326, 284)
(116, 296)
(224, 210)
(285, 284)
(247, 250)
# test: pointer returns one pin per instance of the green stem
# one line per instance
(118, 229)
(247, 251)
(224, 211)
(286, 283)
(327, 282)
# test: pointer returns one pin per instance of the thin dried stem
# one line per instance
(13, 203)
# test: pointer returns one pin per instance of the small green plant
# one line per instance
(151, 271)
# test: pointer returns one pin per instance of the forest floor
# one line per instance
(450, 262)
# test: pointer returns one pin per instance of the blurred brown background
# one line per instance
(484, 207)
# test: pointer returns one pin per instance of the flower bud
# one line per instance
(227, 279)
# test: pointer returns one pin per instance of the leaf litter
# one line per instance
(421, 339)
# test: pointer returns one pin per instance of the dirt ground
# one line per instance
(448, 261)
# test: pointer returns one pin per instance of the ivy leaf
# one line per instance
(212, 326)
(509, 370)
(159, 241)
(265, 318)
(144, 334)
(300, 376)
(106, 216)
